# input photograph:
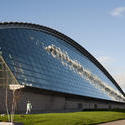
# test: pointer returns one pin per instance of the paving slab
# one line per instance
(10, 123)
(119, 122)
(6, 123)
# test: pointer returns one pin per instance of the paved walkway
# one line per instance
(6, 123)
(119, 122)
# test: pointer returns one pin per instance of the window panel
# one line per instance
(25, 52)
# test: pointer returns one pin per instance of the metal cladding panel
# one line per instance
(40, 59)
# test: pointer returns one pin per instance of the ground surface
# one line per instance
(77, 118)
(120, 122)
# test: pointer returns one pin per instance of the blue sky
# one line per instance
(98, 25)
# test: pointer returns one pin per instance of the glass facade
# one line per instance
(42, 60)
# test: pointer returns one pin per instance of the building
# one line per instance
(58, 74)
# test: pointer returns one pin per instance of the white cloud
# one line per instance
(120, 11)
(120, 78)
(105, 59)
(107, 62)
(115, 71)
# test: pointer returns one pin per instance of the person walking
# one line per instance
(28, 107)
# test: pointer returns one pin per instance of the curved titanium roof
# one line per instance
(63, 37)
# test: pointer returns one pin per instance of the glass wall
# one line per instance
(41, 60)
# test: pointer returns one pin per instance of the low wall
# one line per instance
(45, 101)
